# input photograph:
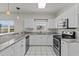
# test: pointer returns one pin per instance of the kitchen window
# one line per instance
(6, 26)
(41, 24)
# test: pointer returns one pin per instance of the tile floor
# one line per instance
(40, 51)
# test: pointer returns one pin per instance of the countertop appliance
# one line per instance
(57, 44)
(68, 34)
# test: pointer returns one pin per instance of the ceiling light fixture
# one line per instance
(8, 12)
(18, 17)
(41, 5)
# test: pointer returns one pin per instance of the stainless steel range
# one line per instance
(57, 40)
(68, 34)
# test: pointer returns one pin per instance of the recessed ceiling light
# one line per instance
(41, 5)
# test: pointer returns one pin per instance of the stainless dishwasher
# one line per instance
(27, 43)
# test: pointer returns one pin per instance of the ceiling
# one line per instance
(33, 7)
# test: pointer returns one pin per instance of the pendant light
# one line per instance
(8, 12)
(18, 17)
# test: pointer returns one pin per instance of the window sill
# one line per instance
(6, 33)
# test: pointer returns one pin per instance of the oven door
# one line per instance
(57, 46)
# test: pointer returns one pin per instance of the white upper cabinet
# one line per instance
(58, 21)
(28, 23)
(54, 23)
(70, 14)
(51, 23)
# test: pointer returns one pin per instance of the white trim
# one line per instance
(7, 33)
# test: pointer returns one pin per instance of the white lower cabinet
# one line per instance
(74, 49)
(64, 48)
(20, 48)
(69, 48)
(41, 39)
(17, 49)
(8, 51)
(50, 40)
(4, 53)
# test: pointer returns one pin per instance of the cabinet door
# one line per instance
(11, 50)
(55, 22)
(8, 51)
(59, 21)
(71, 14)
(5, 52)
(50, 40)
(74, 49)
(51, 23)
(19, 48)
(34, 39)
(23, 46)
(41, 40)
(46, 39)
(64, 48)
(28, 23)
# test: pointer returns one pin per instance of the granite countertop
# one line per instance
(41, 33)
(8, 40)
(71, 40)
